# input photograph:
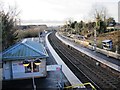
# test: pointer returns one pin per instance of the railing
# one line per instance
(77, 85)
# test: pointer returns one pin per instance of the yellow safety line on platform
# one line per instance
(93, 88)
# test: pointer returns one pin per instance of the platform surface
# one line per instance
(67, 72)
(51, 82)
(111, 62)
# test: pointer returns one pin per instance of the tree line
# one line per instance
(8, 28)
(83, 28)
(100, 23)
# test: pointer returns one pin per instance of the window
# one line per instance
(28, 69)
(35, 68)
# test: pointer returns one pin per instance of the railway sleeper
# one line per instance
(103, 79)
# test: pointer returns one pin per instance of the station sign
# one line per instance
(54, 67)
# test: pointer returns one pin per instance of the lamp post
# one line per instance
(1, 33)
(34, 86)
(95, 40)
(39, 36)
(36, 62)
(95, 34)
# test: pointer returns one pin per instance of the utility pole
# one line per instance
(0, 34)
(95, 40)
(39, 36)
(33, 80)
(118, 28)
(118, 42)
(95, 34)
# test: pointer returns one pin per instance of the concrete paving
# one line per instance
(68, 73)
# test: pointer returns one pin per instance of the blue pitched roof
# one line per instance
(26, 49)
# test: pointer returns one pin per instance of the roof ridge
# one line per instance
(11, 48)
(33, 48)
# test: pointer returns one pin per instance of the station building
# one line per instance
(27, 50)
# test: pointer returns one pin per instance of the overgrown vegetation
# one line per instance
(83, 28)
(8, 27)
(106, 36)
(27, 33)
(101, 23)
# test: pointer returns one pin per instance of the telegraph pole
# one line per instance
(118, 28)
(95, 40)
(118, 42)
(95, 34)
(0, 34)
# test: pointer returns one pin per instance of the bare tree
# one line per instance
(8, 26)
(99, 11)
(100, 15)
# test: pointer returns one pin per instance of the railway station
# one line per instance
(54, 71)
(17, 67)
(110, 62)
(75, 47)
(104, 75)
(26, 52)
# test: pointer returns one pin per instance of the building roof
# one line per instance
(26, 49)
(107, 41)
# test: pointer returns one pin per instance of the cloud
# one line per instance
(59, 10)
(41, 21)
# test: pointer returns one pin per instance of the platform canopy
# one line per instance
(26, 49)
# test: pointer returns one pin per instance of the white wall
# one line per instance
(67, 72)
(18, 70)
(6, 70)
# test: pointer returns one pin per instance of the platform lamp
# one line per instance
(36, 62)
(26, 63)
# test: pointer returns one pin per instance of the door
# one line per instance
(6, 71)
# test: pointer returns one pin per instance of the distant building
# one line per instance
(107, 44)
(113, 28)
(39, 27)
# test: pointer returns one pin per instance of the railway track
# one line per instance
(85, 68)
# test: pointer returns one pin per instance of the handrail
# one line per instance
(73, 86)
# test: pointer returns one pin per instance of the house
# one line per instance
(27, 50)
(107, 44)
(114, 28)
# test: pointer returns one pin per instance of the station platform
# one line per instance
(67, 72)
(50, 82)
(110, 62)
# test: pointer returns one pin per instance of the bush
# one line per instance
(27, 33)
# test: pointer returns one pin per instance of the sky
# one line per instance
(53, 12)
